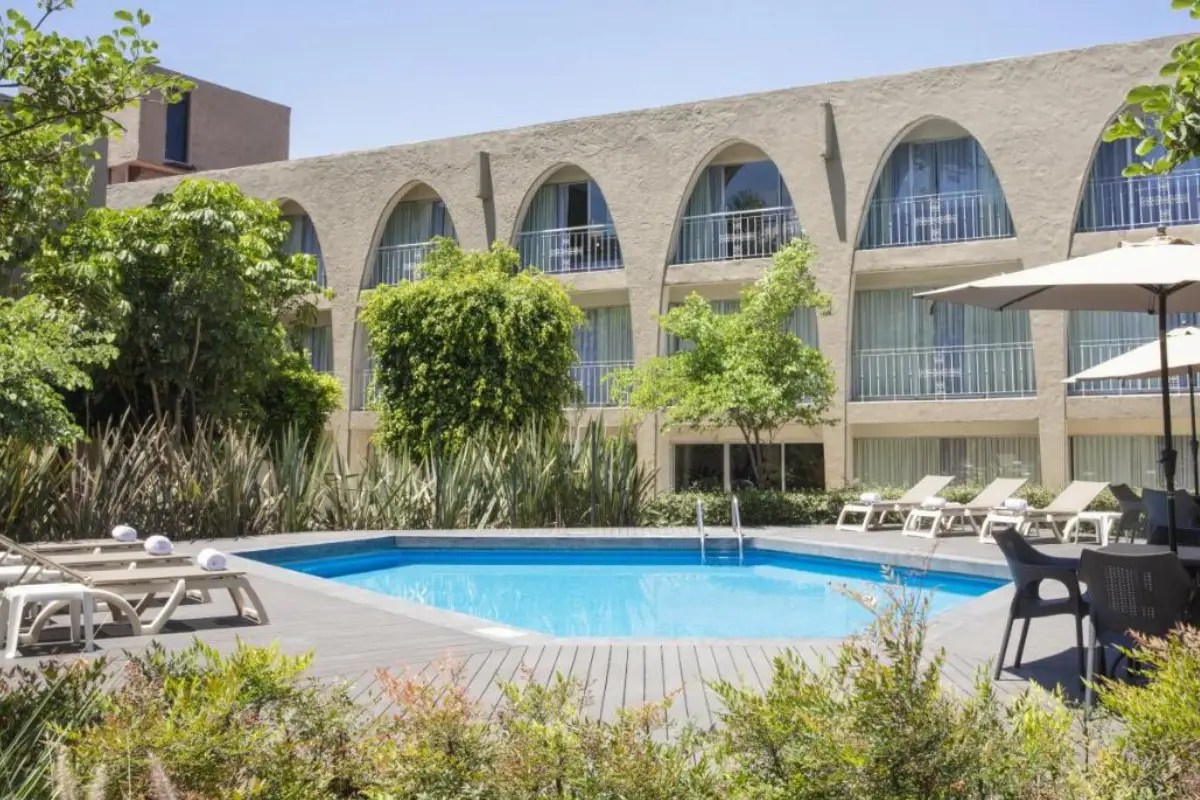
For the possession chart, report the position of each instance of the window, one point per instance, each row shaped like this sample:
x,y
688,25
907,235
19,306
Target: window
x,y
568,228
903,461
1127,459
792,467
178,122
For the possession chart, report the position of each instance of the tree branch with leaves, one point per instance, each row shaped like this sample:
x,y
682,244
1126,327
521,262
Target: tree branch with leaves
x,y
744,370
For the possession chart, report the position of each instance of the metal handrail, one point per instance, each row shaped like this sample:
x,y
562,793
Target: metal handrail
x,y
700,528
736,519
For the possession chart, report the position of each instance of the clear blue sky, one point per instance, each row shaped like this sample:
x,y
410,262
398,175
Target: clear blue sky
x,y
369,73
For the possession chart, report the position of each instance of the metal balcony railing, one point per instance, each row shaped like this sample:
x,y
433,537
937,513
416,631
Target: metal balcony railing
x,y
734,235
1088,353
1141,202
593,380
400,262
587,248
936,219
943,373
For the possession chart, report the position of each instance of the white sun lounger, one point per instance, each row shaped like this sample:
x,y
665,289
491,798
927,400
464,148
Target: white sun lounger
x,y
1061,516
945,518
873,514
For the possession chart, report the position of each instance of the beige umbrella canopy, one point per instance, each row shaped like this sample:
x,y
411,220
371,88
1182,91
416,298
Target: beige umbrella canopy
x,y
1183,356
1160,275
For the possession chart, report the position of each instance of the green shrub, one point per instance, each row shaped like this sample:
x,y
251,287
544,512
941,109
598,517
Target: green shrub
x,y
1156,752
879,722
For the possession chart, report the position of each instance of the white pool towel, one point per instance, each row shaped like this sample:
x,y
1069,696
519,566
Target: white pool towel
x,y
934,502
159,546
124,533
870,497
211,560
1016,504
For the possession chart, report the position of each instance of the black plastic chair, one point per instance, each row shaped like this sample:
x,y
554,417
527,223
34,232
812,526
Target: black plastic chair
x,y
1155,502
1132,511
1029,567
1184,537
1148,594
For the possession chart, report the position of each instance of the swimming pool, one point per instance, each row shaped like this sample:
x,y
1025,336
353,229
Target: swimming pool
x,y
627,593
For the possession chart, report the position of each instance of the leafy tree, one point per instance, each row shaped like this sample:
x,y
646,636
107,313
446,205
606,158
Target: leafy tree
x,y
477,344
746,370
295,395
200,286
1165,116
63,93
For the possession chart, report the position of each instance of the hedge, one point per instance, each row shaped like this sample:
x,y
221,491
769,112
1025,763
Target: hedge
x,y
764,507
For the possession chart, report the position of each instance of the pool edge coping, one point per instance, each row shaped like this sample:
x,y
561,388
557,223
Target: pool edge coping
x,y
486,629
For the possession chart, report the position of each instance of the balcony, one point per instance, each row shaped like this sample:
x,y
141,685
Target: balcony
x,y
593,381
1143,202
943,373
936,219
734,235
1090,352
397,263
587,248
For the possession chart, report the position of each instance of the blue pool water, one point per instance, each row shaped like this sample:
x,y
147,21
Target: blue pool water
x,y
636,593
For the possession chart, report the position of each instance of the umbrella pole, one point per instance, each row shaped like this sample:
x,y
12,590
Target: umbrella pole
x,y
1195,444
1168,454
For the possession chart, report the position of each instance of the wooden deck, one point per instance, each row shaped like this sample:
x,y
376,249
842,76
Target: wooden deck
x,y
352,634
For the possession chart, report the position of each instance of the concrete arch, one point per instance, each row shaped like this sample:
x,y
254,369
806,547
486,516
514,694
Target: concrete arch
x,y
901,136
542,179
704,163
385,216
293,208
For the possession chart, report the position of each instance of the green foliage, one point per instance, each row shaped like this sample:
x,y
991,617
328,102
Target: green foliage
x,y
37,709
746,370
766,507
199,285
476,345
296,397
1165,114
42,352
215,482
878,722
1156,753
245,725
68,91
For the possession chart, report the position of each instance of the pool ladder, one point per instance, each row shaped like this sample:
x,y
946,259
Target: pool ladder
x,y
736,520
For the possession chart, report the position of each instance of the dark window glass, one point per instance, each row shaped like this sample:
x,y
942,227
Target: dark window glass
x,y
700,467
805,466
741,475
577,205
178,116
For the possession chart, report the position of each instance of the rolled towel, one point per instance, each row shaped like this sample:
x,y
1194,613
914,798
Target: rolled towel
x,y
1016,504
211,560
124,533
933,502
870,497
159,546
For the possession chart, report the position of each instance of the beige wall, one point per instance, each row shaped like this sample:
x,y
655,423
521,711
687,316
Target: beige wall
x,y
1039,119
227,129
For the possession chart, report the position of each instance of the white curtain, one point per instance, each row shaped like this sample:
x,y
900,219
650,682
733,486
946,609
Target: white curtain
x,y
902,461
1132,460
318,343
606,336
803,323
698,236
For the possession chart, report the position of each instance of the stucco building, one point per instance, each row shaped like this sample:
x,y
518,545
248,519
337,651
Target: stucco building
x,y
210,128
903,182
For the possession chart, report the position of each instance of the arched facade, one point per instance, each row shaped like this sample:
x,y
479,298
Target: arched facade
x,y
738,207
416,216
566,226
936,185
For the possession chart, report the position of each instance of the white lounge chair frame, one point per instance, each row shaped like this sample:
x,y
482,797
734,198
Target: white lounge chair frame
x,y
874,514
1061,516
952,515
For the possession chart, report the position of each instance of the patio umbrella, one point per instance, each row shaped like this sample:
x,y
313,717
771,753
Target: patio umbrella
x,y
1158,276
1183,356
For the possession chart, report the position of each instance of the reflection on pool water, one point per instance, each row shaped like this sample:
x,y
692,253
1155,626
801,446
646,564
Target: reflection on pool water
x,y
637,593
